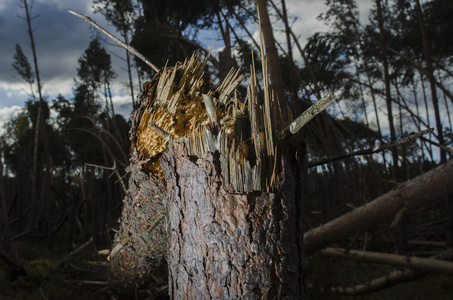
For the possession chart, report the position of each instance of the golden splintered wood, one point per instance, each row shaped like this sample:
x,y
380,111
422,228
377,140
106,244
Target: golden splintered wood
x,y
159,131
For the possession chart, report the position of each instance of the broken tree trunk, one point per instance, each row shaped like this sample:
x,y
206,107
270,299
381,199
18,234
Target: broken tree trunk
x,y
230,190
416,192
229,245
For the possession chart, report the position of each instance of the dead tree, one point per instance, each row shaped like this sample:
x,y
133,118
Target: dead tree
x,y
228,184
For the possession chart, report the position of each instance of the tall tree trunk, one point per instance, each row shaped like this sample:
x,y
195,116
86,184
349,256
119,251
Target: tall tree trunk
x,y
432,80
292,66
225,56
388,96
35,171
129,69
5,207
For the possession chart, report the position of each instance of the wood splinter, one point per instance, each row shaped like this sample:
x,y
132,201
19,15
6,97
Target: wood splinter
x,y
159,131
312,111
212,113
309,114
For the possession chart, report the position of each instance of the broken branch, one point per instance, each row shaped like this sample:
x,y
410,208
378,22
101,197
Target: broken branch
x,y
309,114
374,150
416,263
118,41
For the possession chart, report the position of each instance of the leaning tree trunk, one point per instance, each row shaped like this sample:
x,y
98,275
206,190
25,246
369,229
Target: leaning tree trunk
x,y
227,184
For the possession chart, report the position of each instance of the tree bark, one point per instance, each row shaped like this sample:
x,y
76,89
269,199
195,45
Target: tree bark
x,y
229,245
418,191
140,244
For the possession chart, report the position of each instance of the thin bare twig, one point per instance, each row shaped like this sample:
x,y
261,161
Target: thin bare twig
x,y
374,150
118,41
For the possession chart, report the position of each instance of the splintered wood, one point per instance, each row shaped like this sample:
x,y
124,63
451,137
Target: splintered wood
x,y
183,107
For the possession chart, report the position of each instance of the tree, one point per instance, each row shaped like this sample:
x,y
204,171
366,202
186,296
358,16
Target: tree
x,y
430,73
388,96
34,189
120,13
22,66
252,250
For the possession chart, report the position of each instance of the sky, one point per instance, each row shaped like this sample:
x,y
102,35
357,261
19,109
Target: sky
x,y
61,39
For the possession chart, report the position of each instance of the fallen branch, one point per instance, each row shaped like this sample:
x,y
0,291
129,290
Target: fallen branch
x,y
429,265
390,279
448,149
73,253
88,282
371,150
430,244
118,41
413,193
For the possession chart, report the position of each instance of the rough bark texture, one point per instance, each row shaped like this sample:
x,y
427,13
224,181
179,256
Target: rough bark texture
x,y
223,245
140,244
422,189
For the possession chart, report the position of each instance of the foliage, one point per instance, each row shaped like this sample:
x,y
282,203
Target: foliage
x,y
39,269
94,69
22,66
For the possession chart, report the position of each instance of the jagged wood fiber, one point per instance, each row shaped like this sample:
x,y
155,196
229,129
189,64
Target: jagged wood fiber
x,y
173,101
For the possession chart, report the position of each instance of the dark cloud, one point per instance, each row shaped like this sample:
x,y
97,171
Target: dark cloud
x,y
60,38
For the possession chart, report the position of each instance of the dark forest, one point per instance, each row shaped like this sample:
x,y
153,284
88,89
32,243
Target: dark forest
x,y
206,191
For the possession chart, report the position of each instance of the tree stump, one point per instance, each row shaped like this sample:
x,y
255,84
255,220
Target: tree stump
x,y
229,186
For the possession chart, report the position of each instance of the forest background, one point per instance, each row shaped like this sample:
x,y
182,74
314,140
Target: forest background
x,y
63,159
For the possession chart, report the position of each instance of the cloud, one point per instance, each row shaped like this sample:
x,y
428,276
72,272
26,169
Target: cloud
x,y
6,114
60,39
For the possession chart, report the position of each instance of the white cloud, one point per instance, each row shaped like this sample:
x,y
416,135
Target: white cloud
x,y
6,114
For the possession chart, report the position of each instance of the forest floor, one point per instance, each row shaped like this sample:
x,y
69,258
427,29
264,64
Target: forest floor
x,y
86,277
325,273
